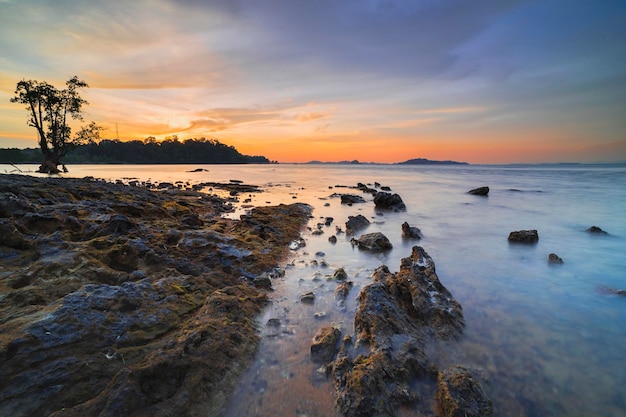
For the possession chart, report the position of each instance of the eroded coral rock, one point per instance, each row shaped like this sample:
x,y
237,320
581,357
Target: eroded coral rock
x,y
460,394
398,315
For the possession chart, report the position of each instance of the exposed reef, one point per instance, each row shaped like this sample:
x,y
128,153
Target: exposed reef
x,y
119,300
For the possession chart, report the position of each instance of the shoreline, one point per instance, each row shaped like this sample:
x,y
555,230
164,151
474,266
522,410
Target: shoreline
x,y
121,300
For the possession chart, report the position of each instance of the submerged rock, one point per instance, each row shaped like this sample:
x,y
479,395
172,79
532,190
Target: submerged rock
x,y
524,236
553,258
596,230
351,199
482,191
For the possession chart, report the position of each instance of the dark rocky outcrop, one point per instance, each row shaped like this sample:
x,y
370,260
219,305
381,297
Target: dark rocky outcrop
x,y
351,199
374,242
482,191
524,236
388,201
553,258
121,301
356,223
398,316
325,344
596,230
410,232
460,395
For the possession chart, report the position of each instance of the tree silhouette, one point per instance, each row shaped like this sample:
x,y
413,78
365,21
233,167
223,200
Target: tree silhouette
x,y
49,110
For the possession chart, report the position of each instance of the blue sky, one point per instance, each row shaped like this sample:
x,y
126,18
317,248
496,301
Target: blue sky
x,y
387,80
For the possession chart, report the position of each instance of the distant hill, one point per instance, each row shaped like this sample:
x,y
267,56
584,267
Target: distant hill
x,y
423,161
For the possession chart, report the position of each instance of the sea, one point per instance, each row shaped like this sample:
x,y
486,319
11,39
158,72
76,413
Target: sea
x,y
543,339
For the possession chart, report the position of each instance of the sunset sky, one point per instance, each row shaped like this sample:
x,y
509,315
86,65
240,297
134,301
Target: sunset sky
x,y
491,81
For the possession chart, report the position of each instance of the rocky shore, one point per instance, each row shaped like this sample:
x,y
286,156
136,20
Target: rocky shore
x,y
121,301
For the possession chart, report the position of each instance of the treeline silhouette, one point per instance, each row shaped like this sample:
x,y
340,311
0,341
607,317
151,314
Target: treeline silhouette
x,y
148,151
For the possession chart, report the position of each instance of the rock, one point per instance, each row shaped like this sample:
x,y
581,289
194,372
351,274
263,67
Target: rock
x,y
483,191
10,236
596,230
356,223
273,322
308,298
351,199
374,242
411,232
324,344
398,316
553,258
524,236
340,275
460,395
342,290
262,281
388,201
328,221
119,224
192,220
332,239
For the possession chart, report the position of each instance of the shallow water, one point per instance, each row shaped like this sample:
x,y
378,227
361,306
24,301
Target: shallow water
x,y
547,339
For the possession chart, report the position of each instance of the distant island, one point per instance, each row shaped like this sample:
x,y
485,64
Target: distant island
x,y
148,151
423,161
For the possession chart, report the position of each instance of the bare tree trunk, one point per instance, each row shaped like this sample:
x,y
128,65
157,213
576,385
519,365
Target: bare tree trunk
x,y
50,164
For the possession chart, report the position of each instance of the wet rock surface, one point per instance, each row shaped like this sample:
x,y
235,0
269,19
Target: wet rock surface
x,y
524,236
482,191
389,201
118,300
460,395
400,316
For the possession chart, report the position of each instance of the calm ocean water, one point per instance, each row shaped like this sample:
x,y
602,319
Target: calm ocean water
x,y
547,340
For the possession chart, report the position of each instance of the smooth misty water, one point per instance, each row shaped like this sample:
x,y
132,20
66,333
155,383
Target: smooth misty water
x,y
546,339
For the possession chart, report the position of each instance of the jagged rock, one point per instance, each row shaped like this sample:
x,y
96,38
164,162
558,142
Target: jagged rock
x,y
596,230
411,232
388,201
374,242
553,258
325,343
397,316
351,199
483,191
524,236
356,223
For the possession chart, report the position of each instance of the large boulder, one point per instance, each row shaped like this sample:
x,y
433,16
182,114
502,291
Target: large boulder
x,y
524,236
356,223
387,201
374,242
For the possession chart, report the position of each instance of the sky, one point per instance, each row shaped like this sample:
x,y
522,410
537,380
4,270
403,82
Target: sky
x,y
484,81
